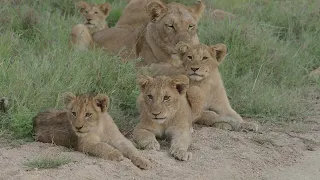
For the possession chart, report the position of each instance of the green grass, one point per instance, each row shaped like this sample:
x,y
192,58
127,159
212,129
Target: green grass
x,y
272,47
47,163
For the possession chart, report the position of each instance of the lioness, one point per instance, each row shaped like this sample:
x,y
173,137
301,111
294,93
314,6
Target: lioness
x,y
152,37
201,65
94,21
95,131
165,112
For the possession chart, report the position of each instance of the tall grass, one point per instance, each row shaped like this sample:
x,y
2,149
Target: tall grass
x,y
272,46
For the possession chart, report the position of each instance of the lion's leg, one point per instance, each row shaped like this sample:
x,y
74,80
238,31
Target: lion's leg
x,y
146,139
128,150
243,124
196,100
100,149
210,118
81,37
180,142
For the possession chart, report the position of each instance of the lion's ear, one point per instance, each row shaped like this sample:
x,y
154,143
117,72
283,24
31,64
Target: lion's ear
x,y
68,99
219,51
197,9
156,10
105,8
82,6
102,102
143,80
181,83
182,47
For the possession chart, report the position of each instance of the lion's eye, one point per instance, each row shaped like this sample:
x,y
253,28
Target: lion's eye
x,y
86,12
166,98
96,12
88,114
170,26
74,114
191,26
204,58
190,57
150,97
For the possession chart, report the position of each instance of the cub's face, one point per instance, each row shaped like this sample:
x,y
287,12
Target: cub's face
x,y
94,15
199,60
85,111
162,96
175,22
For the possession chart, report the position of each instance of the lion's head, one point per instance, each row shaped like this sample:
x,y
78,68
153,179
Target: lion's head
x,y
200,60
174,22
94,15
85,111
161,95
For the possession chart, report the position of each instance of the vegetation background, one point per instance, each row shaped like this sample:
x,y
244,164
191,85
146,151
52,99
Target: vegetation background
x,y
272,46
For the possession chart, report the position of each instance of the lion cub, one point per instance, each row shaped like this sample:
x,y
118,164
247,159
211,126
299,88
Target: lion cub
x,y
165,112
87,122
201,63
94,20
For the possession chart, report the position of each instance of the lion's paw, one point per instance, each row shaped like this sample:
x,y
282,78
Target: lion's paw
x,y
153,145
250,126
141,162
115,156
181,155
224,126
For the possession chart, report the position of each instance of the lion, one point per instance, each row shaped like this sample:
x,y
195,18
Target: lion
x,y
200,63
150,29
94,20
218,14
166,112
87,127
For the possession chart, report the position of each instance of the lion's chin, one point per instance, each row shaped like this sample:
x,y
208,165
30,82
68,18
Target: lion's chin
x,y
81,134
196,77
160,121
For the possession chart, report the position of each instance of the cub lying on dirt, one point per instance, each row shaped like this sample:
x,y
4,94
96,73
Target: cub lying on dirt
x,y
166,112
94,20
86,126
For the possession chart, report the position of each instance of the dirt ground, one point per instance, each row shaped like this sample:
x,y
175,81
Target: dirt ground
x,y
278,152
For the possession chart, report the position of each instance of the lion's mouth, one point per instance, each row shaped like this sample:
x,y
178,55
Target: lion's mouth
x,y
195,74
159,118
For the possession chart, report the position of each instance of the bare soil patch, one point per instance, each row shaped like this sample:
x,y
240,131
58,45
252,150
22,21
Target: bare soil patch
x,y
288,151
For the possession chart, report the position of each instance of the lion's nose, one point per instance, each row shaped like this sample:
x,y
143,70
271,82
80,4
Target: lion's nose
x,y
156,114
78,128
88,20
194,69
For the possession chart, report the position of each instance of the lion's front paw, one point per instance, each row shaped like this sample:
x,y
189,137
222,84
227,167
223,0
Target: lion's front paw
x,y
224,126
181,155
115,156
250,126
141,162
152,145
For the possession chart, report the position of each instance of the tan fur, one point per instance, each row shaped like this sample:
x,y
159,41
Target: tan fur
x,y
94,21
218,14
96,133
52,126
315,72
201,65
143,30
165,112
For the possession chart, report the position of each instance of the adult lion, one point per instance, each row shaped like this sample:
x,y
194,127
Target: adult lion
x,y
153,40
166,111
200,63
87,126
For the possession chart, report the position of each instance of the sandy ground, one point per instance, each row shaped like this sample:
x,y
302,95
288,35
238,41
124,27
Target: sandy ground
x,y
277,152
